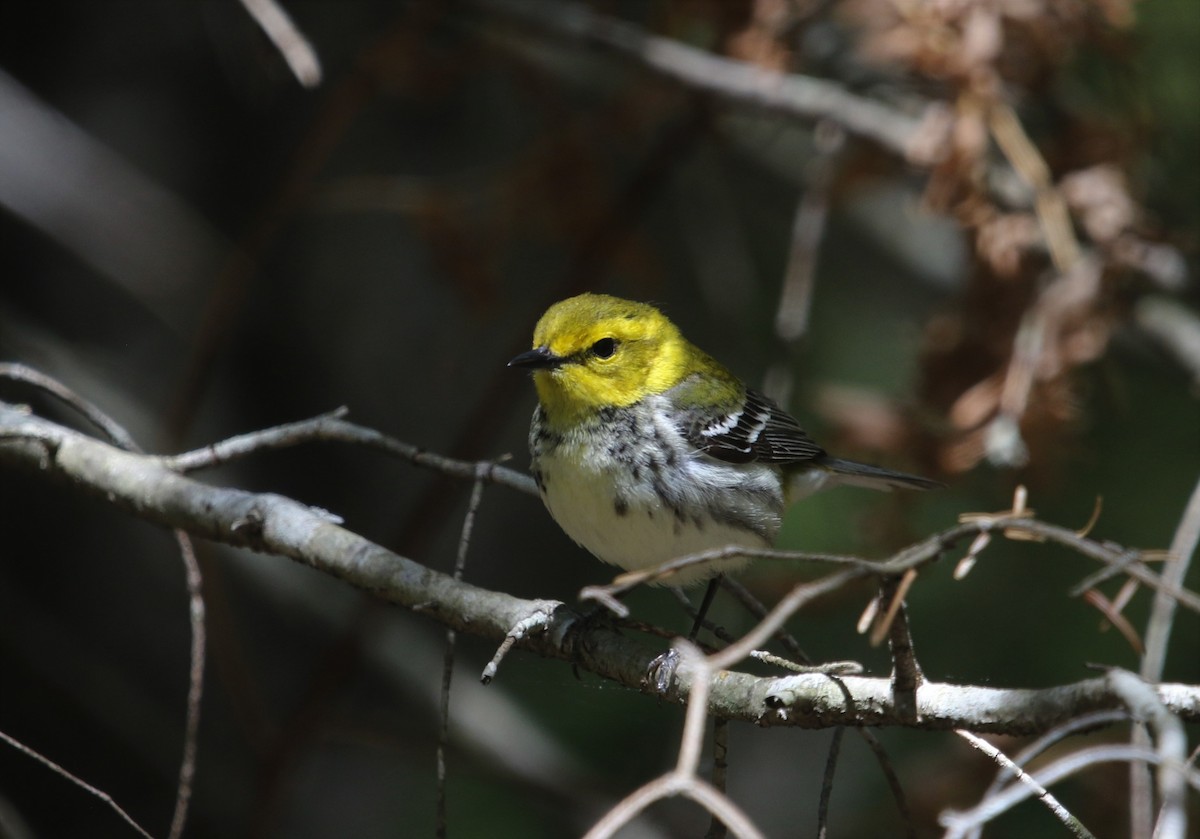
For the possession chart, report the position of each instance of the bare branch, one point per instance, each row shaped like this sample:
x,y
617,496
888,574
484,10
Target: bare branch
x,y
1038,746
827,783
460,564
18,372
333,429
195,695
1183,549
1061,813
683,780
1145,705
1158,632
274,524
720,773
893,781
121,437
1048,776
76,780
740,84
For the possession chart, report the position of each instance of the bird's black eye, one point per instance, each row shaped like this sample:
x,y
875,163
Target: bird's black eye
x,y
604,348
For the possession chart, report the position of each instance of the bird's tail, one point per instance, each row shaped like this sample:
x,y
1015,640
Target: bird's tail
x,y
872,477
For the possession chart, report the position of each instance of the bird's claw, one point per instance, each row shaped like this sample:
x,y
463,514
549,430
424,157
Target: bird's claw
x,y
661,672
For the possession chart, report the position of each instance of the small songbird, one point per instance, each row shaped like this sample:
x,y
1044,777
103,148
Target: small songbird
x,y
646,449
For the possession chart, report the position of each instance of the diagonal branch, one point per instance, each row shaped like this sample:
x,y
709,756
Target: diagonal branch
x,y
791,95
299,54
268,523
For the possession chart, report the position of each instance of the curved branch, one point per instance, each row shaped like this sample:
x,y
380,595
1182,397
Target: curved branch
x,y
268,523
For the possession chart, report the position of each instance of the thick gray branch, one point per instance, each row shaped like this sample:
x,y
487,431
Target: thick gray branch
x,y
148,488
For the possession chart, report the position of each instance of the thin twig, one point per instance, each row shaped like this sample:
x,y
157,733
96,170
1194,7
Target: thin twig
x,y
1162,613
720,772
460,564
829,668
697,710
1112,614
892,593
1050,738
191,569
191,730
332,428
1145,705
914,557
755,607
630,580
112,429
77,781
537,616
988,809
1158,633
893,781
1111,570
1061,813
1096,719
906,672
721,633
792,602
683,779
835,746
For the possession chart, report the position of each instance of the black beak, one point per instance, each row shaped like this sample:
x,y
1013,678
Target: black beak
x,y
538,358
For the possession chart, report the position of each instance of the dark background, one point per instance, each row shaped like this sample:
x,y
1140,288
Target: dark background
x,y
202,247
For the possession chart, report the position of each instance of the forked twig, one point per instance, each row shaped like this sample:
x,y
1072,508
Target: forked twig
x,y
683,779
331,427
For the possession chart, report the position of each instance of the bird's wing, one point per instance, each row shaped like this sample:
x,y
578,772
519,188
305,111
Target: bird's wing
x,y
757,430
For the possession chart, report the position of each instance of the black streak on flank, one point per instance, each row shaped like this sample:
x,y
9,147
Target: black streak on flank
x,y
620,506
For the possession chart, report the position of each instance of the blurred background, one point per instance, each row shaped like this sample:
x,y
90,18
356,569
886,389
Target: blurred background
x,y
203,245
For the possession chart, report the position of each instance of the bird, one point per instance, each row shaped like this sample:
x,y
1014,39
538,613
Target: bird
x,y
644,448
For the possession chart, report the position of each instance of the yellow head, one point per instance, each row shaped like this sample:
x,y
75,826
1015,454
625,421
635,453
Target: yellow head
x,y
595,351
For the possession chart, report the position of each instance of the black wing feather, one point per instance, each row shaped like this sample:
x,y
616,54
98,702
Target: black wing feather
x,y
760,431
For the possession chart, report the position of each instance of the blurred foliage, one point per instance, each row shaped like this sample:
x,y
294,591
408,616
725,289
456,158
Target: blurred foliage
x,y
203,247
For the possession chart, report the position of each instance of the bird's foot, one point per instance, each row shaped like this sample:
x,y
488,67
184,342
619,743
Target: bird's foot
x,y
661,672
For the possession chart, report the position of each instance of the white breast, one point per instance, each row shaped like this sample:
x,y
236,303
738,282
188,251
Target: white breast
x,y
619,513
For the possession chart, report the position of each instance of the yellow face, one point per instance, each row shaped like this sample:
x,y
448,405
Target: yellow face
x,y
594,351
